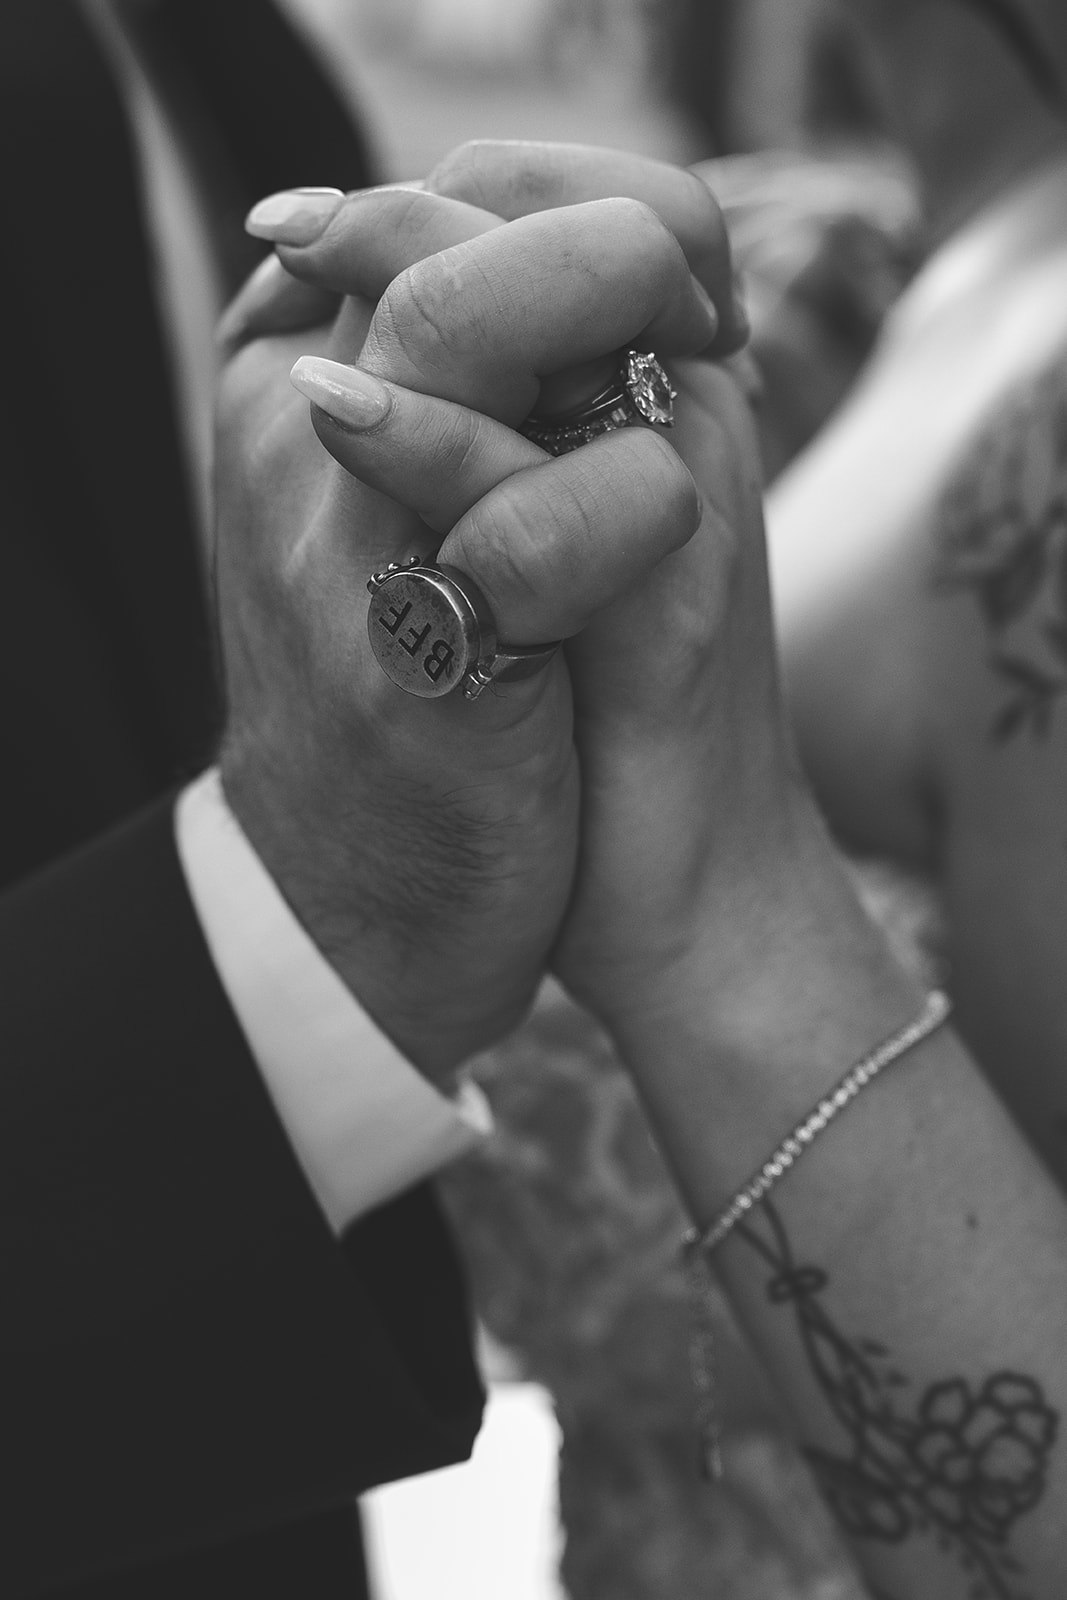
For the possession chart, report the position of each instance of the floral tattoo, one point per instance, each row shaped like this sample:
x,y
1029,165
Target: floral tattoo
x,y
1004,538
960,1464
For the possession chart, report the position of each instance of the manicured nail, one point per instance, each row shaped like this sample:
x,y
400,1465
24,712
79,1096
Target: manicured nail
x,y
709,306
350,396
295,216
235,319
742,320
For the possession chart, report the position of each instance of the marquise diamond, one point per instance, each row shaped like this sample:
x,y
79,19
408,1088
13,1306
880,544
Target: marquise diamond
x,y
650,388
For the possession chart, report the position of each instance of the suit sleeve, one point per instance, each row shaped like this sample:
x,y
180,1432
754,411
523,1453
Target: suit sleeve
x,y
189,1353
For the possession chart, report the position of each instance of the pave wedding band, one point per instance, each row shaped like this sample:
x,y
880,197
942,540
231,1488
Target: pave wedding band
x,y
431,631
640,391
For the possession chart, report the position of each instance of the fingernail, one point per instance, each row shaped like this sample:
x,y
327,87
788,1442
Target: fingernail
x,y
234,320
742,320
709,306
350,396
295,216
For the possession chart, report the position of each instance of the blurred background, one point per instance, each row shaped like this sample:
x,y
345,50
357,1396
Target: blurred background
x,y
681,79
784,98
783,95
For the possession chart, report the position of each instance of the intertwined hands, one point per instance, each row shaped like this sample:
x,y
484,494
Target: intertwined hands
x,y
614,813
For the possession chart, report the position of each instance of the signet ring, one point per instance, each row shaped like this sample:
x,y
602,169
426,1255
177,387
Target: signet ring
x,y
431,631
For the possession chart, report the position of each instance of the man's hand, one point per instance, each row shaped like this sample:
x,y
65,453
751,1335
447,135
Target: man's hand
x,y
429,847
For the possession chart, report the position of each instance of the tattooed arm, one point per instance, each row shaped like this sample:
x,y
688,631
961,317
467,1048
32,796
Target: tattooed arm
x,y
995,614
930,687
907,1287
906,1284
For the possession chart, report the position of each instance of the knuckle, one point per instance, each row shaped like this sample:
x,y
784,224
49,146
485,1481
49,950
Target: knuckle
x,y
458,446
638,480
573,513
400,209
677,493
506,177
457,174
638,218
417,311
504,543
649,240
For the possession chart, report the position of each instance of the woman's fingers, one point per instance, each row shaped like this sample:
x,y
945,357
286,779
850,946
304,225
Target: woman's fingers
x,y
432,456
514,178
417,249
373,234
549,541
484,322
356,244
330,246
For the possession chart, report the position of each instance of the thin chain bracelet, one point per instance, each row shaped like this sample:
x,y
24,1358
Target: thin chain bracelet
x,y
698,1244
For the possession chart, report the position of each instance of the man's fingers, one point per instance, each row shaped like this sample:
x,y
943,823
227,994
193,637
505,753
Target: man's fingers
x,y
485,321
514,178
549,541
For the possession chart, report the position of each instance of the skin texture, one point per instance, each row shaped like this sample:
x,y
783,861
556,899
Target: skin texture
x,y
730,958
996,587
963,1461
637,698
921,645
451,829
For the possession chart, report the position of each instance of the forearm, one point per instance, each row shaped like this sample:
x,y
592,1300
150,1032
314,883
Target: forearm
x,y
915,1253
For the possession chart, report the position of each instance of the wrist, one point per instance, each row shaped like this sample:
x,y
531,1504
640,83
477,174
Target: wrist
x,y
784,982
440,938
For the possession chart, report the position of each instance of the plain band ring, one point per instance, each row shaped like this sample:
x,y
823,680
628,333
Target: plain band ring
x,y
639,392
431,631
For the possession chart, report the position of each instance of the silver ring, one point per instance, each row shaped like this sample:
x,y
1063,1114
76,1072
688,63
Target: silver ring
x,y
431,631
639,392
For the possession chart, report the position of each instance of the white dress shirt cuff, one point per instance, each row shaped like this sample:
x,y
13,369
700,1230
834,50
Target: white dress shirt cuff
x,y
363,1123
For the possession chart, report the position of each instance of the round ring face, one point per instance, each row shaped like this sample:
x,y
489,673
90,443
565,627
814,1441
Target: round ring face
x,y
423,633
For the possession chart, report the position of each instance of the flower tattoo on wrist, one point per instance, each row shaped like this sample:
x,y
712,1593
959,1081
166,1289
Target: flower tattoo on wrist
x,y
960,1465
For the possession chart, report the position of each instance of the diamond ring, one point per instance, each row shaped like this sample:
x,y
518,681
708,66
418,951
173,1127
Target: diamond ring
x,y
639,392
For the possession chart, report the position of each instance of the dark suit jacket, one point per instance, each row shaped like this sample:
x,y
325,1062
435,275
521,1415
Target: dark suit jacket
x,y
197,1377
